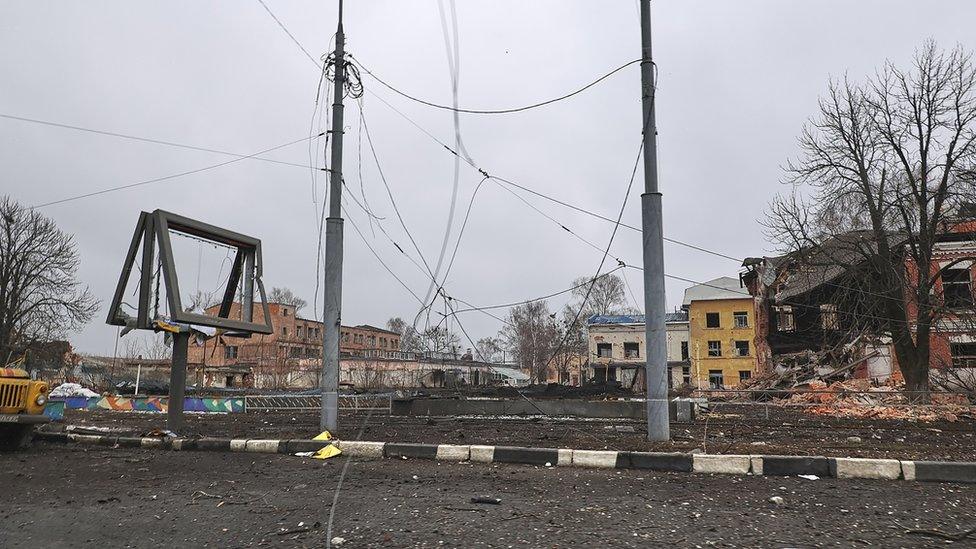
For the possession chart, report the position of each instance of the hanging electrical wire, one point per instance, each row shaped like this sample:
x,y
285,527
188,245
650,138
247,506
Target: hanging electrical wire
x,y
492,111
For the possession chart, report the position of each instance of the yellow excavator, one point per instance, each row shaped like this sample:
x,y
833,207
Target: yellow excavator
x,y
22,403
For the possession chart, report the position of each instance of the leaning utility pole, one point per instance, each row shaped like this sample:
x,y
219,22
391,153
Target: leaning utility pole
x,y
655,370
332,319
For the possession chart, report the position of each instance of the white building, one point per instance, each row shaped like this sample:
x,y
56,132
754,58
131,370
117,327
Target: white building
x,y
618,348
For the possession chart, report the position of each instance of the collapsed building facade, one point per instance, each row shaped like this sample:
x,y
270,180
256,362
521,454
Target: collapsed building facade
x,y
817,309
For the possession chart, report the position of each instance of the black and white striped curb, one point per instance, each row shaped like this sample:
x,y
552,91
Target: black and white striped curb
x,y
824,467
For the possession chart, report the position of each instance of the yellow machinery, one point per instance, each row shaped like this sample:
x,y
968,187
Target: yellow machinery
x,y
22,403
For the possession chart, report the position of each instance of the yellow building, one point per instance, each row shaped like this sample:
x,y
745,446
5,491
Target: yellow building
x,y
722,335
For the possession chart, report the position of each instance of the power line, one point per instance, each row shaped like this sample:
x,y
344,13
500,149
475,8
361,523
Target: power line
x,y
146,139
492,111
501,111
172,176
290,35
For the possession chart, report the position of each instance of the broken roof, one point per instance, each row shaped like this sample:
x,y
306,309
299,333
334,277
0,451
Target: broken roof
x,y
677,316
812,268
720,288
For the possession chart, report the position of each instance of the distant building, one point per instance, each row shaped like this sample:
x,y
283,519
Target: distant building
x,y
722,333
618,348
275,360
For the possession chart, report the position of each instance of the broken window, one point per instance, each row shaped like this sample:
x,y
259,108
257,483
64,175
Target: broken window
x,y
284,330
828,317
956,288
604,350
684,350
712,320
741,348
230,351
300,330
744,375
631,349
714,348
284,312
715,379
295,352
784,318
963,355
686,375
740,319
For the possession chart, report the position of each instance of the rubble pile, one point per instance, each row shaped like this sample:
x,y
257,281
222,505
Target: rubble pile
x,y
856,398
796,369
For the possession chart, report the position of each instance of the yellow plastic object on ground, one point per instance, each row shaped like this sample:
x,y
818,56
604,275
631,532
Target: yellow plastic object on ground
x,y
327,452
324,435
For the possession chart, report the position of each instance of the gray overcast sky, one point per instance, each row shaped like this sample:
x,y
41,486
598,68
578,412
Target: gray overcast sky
x,y
737,80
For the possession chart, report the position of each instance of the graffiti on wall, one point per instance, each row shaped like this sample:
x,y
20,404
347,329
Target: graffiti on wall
x,y
154,404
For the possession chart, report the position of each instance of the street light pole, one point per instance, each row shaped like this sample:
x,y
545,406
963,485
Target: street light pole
x,y
655,369
332,318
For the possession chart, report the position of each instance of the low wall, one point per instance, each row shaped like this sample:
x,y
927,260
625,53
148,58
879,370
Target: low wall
x,y
611,409
153,404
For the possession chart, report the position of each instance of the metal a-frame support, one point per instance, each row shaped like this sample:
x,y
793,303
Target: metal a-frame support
x,y
152,230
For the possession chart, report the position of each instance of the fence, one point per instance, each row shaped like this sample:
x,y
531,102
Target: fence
x,y
376,403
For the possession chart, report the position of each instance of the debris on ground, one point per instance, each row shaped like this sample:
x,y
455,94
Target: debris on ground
x,y
329,451
856,398
486,499
72,390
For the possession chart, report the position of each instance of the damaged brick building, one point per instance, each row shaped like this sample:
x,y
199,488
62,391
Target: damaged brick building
x,y
808,302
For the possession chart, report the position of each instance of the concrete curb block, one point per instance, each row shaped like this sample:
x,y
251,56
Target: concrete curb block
x,y
362,449
679,463
788,466
602,459
482,454
945,471
530,456
842,468
884,469
453,452
409,450
908,470
721,464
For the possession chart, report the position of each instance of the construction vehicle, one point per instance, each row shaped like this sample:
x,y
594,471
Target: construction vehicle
x,y
22,403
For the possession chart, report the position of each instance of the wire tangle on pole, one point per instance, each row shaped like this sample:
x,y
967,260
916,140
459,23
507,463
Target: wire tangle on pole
x,y
352,82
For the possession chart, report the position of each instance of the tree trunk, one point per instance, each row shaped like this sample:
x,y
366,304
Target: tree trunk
x,y
913,361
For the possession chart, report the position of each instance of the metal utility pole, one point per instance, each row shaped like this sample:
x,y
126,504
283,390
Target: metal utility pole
x,y
332,319
655,370
177,381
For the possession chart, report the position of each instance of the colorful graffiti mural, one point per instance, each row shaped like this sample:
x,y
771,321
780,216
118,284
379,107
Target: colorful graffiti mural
x,y
154,404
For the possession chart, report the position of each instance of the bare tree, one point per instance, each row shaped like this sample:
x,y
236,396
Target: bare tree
x,y
488,349
286,297
884,165
532,335
606,297
40,296
201,301
409,339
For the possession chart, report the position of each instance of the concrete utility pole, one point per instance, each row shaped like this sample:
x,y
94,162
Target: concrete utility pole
x,y
332,320
656,368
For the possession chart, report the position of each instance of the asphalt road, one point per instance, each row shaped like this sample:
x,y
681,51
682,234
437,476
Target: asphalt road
x,y
73,496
